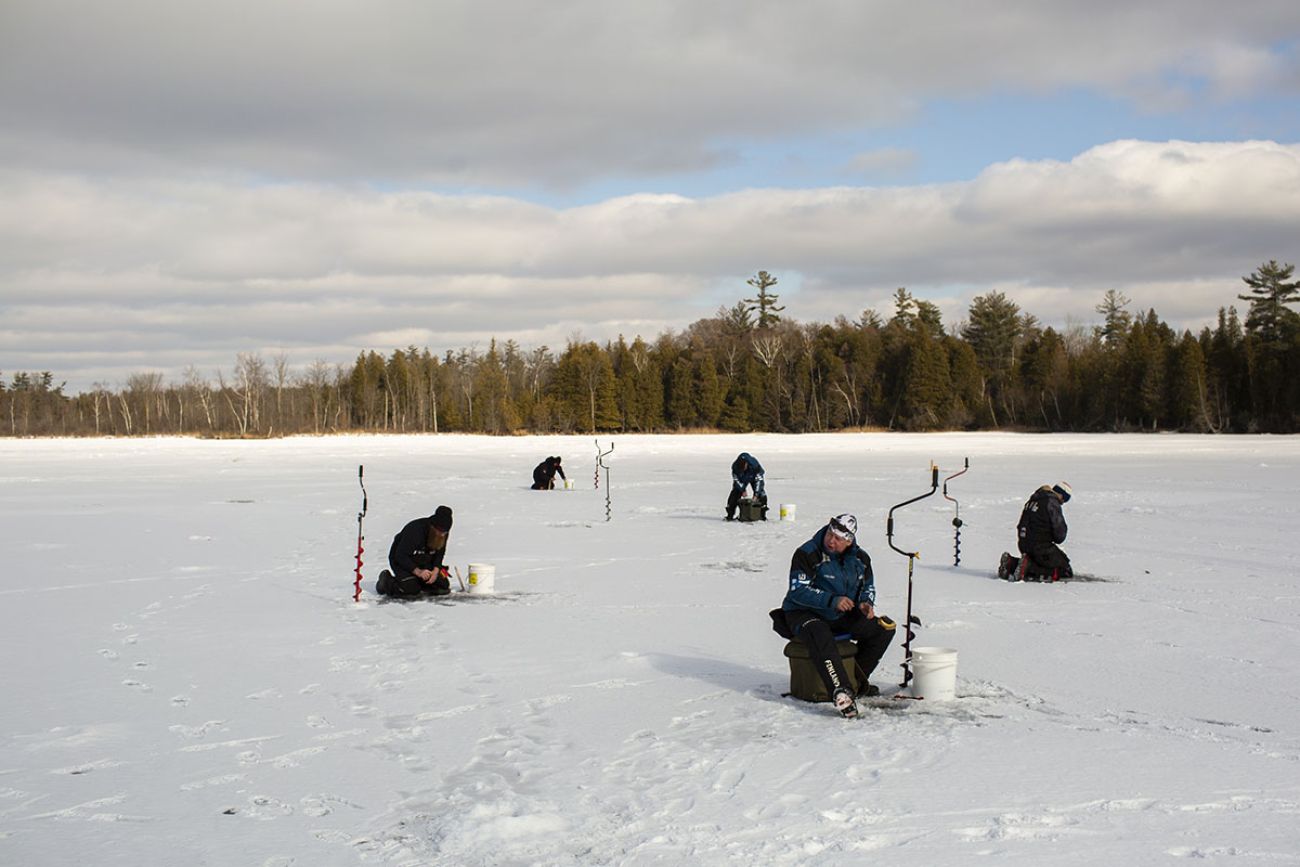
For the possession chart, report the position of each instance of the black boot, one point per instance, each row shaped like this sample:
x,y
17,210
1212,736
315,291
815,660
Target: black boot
x,y
383,586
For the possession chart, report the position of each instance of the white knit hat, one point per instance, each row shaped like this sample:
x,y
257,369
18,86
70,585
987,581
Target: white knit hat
x,y
845,526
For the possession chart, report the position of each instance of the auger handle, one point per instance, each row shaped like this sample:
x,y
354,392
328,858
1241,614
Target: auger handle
x,y
889,522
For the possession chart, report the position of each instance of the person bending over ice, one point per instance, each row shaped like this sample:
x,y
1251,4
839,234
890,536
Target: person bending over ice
x,y
544,474
416,559
746,471
833,592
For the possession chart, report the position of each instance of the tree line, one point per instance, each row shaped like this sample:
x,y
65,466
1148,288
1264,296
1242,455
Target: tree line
x,y
747,368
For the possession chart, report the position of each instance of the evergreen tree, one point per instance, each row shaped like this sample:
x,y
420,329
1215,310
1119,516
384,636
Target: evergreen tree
x,y
735,415
927,386
539,367
967,382
736,319
465,385
643,388
1142,372
1043,375
764,302
1186,408
515,367
584,391
1271,293
494,410
993,331
624,394
870,319
708,395
904,309
1273,345
680,410
928,315
365,390
1116,320
397,380
450,408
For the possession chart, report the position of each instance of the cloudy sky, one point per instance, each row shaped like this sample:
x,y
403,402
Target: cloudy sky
x,y
183,181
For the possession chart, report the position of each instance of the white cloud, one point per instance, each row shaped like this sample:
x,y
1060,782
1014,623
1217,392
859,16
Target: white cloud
x,y
96,271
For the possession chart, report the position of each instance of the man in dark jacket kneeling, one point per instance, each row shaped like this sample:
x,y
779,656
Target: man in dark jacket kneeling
x,y
545,472
1040,532
416,558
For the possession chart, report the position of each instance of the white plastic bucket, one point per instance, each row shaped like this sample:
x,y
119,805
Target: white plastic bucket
x,y
787,511
568,484
934,673
482,577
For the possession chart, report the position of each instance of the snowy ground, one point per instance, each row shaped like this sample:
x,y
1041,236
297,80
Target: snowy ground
x,y
187,680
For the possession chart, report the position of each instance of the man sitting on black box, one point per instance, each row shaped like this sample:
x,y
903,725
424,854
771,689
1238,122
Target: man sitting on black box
x,y
833,592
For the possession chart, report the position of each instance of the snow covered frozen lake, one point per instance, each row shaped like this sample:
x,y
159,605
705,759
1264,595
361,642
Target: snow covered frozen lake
x,y
187,680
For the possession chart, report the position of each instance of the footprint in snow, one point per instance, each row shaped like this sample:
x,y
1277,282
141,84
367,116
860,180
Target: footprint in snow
x,y
293,759
265,808
314,807
320,805
198,731
271,692
87,767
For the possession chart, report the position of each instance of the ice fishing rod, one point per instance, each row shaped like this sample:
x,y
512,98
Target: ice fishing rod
x,y
361,478
600,464
911,556
956,520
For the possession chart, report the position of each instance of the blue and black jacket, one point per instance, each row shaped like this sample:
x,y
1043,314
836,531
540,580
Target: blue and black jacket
x,y
746,470
817,577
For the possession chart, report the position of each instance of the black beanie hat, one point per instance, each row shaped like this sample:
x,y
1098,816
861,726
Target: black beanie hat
x,y
441,518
